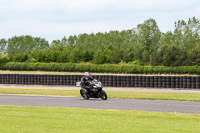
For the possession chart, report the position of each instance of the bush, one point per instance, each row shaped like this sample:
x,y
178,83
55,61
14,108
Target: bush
x,y
108,68
4,59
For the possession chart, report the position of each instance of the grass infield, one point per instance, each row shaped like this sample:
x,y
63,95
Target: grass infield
x,y
81,73
72,120
111,94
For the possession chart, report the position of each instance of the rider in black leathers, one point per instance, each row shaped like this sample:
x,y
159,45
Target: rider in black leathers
x,y
85,81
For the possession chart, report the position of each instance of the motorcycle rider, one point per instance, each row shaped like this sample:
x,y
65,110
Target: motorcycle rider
x,y
85,81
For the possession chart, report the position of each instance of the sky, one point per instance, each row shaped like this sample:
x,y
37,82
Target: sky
x,y
54,19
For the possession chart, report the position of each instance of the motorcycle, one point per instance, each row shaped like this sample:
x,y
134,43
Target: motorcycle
x,y
95,91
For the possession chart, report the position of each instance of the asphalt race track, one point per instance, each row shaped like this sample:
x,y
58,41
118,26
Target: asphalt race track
x,y
116,104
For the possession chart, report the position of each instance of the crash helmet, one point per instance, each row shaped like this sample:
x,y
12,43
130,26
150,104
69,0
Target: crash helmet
x,y
86,75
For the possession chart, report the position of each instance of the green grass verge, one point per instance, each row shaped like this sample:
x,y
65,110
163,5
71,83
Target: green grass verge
x,y
111,94
70,120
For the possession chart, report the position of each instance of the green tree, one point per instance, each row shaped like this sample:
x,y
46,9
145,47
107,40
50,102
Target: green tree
x,y
3,45
21,44
148,37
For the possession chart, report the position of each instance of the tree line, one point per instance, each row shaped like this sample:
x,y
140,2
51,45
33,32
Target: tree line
x,y
143,45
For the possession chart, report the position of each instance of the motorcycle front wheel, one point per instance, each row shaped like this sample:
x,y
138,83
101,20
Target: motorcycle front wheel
x,y
103,95
84,95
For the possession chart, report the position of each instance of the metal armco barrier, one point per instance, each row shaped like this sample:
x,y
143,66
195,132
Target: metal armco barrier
x,y
107,80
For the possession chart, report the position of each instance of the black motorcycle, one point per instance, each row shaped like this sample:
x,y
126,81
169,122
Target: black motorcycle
x,y
95,91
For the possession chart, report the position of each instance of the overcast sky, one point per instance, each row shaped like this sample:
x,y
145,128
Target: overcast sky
x,y
54,19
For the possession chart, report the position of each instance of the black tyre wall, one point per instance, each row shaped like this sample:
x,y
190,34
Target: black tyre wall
x,y
107,80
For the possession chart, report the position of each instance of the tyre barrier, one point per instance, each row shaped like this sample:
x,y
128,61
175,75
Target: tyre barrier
x,y
177,82
159,82
107,80
198,82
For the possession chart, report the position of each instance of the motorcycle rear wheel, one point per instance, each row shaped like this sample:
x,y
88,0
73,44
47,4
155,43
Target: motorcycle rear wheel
x,y
103,95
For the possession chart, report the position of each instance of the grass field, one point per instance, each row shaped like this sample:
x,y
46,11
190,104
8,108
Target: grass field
x,y
111,94
15,119
78,73
70,120
53,72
